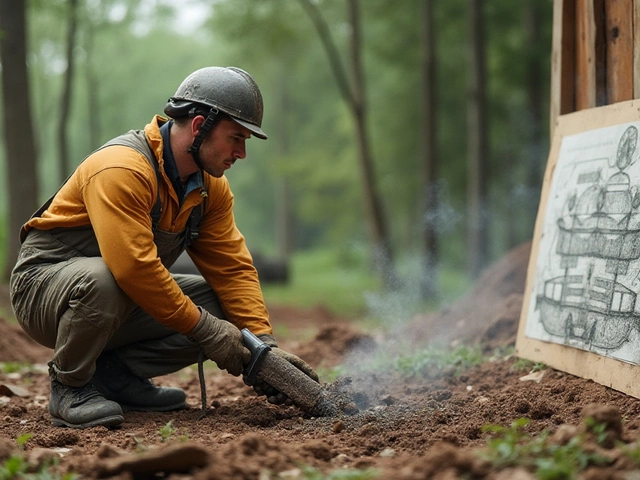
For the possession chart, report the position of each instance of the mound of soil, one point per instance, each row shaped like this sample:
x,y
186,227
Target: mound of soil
x,y
425,426
489,314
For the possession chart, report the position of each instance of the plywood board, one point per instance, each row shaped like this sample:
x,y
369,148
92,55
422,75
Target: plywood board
x,y
581,312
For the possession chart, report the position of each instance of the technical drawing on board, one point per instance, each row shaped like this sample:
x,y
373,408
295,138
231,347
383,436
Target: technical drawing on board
x,y
585,293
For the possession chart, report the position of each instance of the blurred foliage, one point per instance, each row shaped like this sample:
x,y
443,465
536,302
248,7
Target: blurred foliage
x,y
140,50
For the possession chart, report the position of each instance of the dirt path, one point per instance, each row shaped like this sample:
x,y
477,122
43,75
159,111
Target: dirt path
x,y
424,426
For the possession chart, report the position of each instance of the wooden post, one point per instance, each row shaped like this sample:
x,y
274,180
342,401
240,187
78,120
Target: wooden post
x,y
619,46
595,54
585,79
636,48
563,58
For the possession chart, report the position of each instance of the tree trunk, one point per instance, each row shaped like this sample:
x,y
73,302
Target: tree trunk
x,y
18,129
65,100
284,211
429,287
92,88
536,145
382,244
356,100
478,164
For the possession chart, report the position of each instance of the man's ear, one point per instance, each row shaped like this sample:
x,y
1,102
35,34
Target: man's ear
x,y
196,124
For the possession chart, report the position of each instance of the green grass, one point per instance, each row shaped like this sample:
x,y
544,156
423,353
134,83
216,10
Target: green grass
x,y
512,446
324,278
522,364
430,362
16,466
310,473
453,361
344,281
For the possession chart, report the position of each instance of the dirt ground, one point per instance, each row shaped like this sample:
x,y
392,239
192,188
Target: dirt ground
x,y
420,427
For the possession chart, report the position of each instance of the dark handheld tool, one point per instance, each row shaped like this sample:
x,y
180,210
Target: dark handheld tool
x,y
285,377
258,351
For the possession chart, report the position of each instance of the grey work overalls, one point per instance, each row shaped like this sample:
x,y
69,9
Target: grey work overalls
x,y
65,298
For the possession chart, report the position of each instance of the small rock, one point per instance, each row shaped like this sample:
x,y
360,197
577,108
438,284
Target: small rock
x,y
341,460
533,377
350,408
388,453
388,400
294,473
13,390
514,474
338,426
40,368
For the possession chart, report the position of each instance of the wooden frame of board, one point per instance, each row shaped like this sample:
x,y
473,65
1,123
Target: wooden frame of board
x,y
611,372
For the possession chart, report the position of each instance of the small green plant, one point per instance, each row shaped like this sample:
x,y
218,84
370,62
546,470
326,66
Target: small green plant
x,y
140,446
310,473
23,439
15,467
167,431
512,446
13,367
598,429
184,435
524,365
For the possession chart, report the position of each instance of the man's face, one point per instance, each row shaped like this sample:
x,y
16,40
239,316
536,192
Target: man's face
x,y
223,146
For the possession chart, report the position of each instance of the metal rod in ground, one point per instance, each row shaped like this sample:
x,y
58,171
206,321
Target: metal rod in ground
x,y
302,390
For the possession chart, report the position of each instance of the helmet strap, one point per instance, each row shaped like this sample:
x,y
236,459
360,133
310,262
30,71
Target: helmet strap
x,y
205,128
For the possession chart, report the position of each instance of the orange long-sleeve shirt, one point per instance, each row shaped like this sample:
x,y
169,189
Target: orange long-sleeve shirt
x,y
114,190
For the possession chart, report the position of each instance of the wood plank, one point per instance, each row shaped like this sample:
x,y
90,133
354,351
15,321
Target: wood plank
x,y
585,79
636,48
619,48
562,61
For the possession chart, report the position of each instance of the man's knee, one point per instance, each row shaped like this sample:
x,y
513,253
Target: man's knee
x,y
96,285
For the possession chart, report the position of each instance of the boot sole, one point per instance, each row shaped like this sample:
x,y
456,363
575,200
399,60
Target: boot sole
x,y
110,421
158,408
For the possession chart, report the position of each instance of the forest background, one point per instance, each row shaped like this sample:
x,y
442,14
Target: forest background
x,y
407,138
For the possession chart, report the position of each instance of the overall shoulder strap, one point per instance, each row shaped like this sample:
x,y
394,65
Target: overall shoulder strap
x,y
137,140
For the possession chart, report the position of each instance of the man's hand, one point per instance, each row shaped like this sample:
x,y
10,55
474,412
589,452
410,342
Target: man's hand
x,y
221,342
263,388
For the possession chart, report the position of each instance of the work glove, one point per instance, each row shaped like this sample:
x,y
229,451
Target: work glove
x,y
221,342
263,388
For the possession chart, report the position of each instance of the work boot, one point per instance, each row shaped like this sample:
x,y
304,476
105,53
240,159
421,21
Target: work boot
x,y
81,407
115,381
